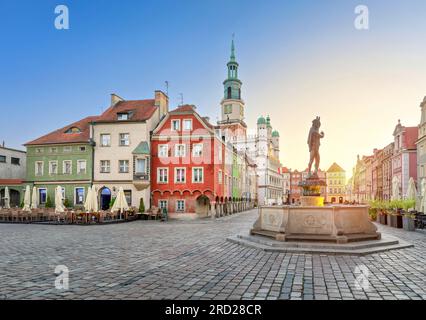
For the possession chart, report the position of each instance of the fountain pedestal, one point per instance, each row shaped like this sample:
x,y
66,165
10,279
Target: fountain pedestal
x,y
312,191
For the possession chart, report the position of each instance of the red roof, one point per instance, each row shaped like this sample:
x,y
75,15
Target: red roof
x,y
140,110
60,135
10,181
284,170
191,109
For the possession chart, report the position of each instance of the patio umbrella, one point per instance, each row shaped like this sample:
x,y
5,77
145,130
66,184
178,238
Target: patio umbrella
x,y
88,204
95,199
423,197
395,189
27,199
411,190
6,198
34,199
120,203
59,206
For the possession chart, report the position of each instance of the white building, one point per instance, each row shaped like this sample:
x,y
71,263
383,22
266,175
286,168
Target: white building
x,y
123,147
12,163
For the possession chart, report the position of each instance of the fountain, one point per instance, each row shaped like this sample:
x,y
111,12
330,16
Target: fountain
x,y
312,221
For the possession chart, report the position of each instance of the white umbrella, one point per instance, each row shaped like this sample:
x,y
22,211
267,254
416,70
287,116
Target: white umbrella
x,y
395,189
88,204
34,199
27,199
120,203
59,206
94,199
423,197
6,198
411,190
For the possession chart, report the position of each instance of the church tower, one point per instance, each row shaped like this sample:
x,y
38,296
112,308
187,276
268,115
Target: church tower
x,y
232,119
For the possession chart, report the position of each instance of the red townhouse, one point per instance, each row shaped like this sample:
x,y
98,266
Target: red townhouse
x,y
187,166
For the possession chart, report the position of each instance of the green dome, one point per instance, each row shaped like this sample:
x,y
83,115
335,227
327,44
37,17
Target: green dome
x,y
275,133
261,120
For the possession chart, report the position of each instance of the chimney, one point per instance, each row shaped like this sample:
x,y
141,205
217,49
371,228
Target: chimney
x,y
207,119
162,101
115,99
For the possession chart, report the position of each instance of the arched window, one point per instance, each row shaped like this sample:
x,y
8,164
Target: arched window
x,y
229,93
239,93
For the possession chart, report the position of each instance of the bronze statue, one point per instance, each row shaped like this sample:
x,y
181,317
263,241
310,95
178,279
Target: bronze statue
x,y
314,143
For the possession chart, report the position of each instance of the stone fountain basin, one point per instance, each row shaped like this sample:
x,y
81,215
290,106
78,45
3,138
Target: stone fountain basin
x,y
334,223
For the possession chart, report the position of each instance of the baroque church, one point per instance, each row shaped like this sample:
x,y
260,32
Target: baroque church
x,y
261,145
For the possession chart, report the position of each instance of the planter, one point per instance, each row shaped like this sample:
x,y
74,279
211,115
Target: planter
x,y
408,224
396,221
389,220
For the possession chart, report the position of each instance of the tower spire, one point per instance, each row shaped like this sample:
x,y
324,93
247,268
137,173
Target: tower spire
x,y
233,48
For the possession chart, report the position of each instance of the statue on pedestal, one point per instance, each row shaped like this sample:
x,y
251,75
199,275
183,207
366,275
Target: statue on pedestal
x,y
314,143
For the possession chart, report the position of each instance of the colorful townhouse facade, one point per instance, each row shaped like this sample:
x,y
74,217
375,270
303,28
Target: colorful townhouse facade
x,y
421,145
63,158
187,172
336,184
122,148
404,159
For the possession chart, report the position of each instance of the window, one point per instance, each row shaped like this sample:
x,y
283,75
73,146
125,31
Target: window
x,y
105,166
219,176
67,149
122,116
197,175
81,166
39,168
3,159
42,195
39,150
180,205
175,125
140,166
197,151
163,150
162,204
179,150
180,175
79,196
73,130
229,93
66,167
128,195
124,139
53,150
123,166
82,149
15,161
187,124
162,175
53,167
105,140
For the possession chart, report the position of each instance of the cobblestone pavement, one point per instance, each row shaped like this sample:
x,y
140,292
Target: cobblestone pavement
x,y
193,260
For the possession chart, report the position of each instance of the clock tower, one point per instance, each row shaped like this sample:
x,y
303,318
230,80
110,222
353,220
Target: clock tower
x,y
232,120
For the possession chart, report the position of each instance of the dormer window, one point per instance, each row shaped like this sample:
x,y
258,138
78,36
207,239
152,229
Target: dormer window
x,y
122,116
73,130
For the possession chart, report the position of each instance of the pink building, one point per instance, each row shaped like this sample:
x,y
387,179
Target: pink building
x,y
404,159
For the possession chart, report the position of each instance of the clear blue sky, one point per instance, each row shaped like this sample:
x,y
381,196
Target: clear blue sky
x,y
298,59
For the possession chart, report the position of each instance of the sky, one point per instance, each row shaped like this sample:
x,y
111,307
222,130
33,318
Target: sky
x,y
298,60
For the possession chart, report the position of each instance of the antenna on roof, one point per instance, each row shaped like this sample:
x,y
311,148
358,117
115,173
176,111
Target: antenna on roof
x,y
181,99
167,87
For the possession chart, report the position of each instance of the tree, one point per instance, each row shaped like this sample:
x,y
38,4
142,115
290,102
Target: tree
x,y
111,202
67,203
141,206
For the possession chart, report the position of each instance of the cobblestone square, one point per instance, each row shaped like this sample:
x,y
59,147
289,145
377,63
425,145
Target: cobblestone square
x,y
193,260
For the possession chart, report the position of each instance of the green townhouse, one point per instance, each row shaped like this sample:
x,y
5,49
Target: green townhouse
x,y
63,157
